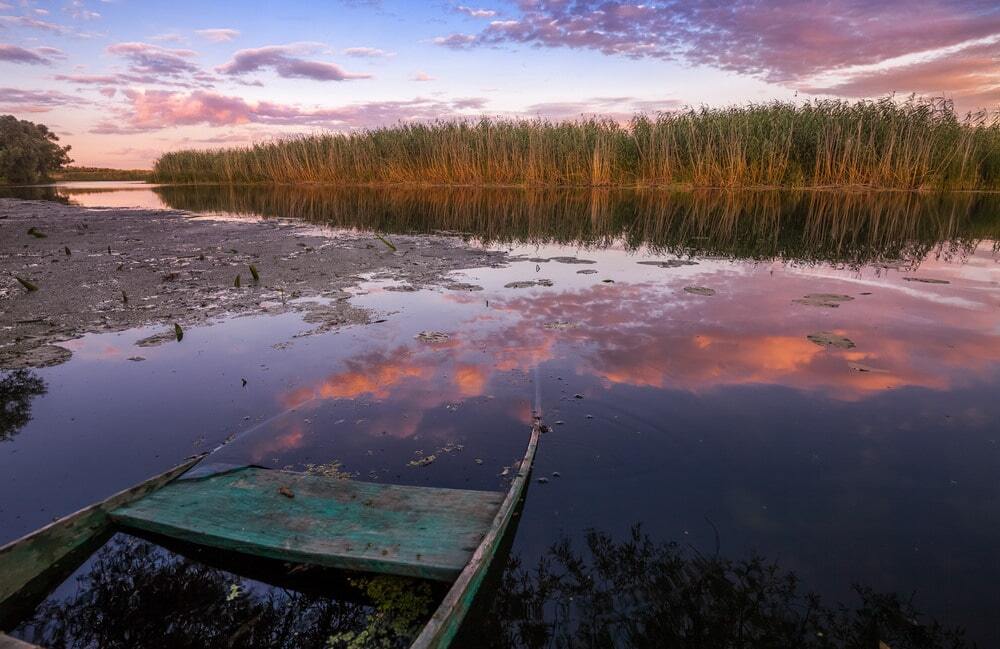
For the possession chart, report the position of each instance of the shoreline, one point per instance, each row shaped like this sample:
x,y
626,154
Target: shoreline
x,y
130,268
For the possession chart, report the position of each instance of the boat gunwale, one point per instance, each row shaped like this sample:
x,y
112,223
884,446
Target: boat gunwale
x,y
444,624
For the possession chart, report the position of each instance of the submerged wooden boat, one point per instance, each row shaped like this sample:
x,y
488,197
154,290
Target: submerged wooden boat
x,y
449,535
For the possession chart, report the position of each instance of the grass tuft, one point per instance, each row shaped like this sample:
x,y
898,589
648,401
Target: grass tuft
x,y
911,144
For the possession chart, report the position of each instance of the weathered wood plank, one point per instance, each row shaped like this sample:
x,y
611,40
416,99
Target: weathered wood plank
x,y
41,553
412,531
447,619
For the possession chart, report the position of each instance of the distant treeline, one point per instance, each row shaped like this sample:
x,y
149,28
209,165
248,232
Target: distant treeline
x,y
100,173
912,144
853,228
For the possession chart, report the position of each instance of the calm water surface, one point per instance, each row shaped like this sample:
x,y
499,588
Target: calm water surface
x,y
685,397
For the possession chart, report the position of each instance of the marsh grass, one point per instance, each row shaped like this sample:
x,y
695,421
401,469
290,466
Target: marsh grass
x,y
99,173
913,144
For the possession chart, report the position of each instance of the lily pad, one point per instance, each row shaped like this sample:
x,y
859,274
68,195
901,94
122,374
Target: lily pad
x,y
699,290
433,337
827,300
829,339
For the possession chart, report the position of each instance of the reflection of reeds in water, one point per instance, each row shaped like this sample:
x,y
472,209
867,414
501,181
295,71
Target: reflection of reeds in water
x,y
808,226
917,144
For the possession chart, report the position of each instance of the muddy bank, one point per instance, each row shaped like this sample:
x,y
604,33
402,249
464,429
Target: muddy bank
x,y
66,271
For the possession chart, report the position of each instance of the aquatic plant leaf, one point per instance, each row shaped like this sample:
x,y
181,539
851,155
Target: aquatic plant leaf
x,y
178,332
386,242
254,273
27,284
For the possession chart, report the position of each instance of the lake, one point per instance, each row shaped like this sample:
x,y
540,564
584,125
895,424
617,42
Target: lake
x,y
809,380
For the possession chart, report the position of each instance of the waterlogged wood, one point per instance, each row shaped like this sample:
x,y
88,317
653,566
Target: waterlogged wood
x,y
447,619
410,531
39,553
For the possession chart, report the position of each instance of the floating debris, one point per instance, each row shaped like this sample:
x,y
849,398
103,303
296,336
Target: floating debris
x,y
577,396
699,290
478,460
669,263
422,461
828,339
237,282
124,298
401,288
608,281
543,480
529,283
433,337
38,234
329,470
136,359
826,300
858,367
558,325
254,273
572,260
68,251
586,271
461,286
178,332
286,492
926,280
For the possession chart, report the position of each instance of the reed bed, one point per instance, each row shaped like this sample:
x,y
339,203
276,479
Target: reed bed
x,y
913,144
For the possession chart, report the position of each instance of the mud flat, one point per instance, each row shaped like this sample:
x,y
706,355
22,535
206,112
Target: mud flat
x,y
93,270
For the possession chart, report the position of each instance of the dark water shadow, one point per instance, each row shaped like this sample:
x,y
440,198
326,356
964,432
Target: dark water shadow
x,y
637,592
851,228
17,389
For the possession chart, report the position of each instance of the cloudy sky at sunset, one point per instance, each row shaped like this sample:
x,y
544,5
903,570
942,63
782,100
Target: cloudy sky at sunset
x,y
123,80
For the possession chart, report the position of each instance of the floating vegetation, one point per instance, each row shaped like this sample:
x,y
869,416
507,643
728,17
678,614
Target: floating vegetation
x,y
423,460
912,144
529,283
178,332
558,325
330,470
827,300
572,260
828,339
433,337
38,234
926,280
236,282
699,290
254,273
669,263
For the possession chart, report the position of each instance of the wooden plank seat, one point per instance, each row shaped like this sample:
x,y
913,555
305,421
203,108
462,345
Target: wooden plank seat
x,y
401,530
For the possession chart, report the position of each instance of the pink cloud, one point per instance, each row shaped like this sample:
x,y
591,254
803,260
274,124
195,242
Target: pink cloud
x,y
368,52
282,59
156,109
777,39
971,76
153,59
475,13
36,56
222,35
34,101
422,76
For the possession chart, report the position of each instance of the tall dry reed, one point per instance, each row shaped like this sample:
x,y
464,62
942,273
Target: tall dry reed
x,y
914,144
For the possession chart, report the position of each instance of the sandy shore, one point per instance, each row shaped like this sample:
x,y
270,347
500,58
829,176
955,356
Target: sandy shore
x,y
112,269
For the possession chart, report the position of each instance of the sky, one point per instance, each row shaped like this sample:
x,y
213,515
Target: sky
x,y
123,81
